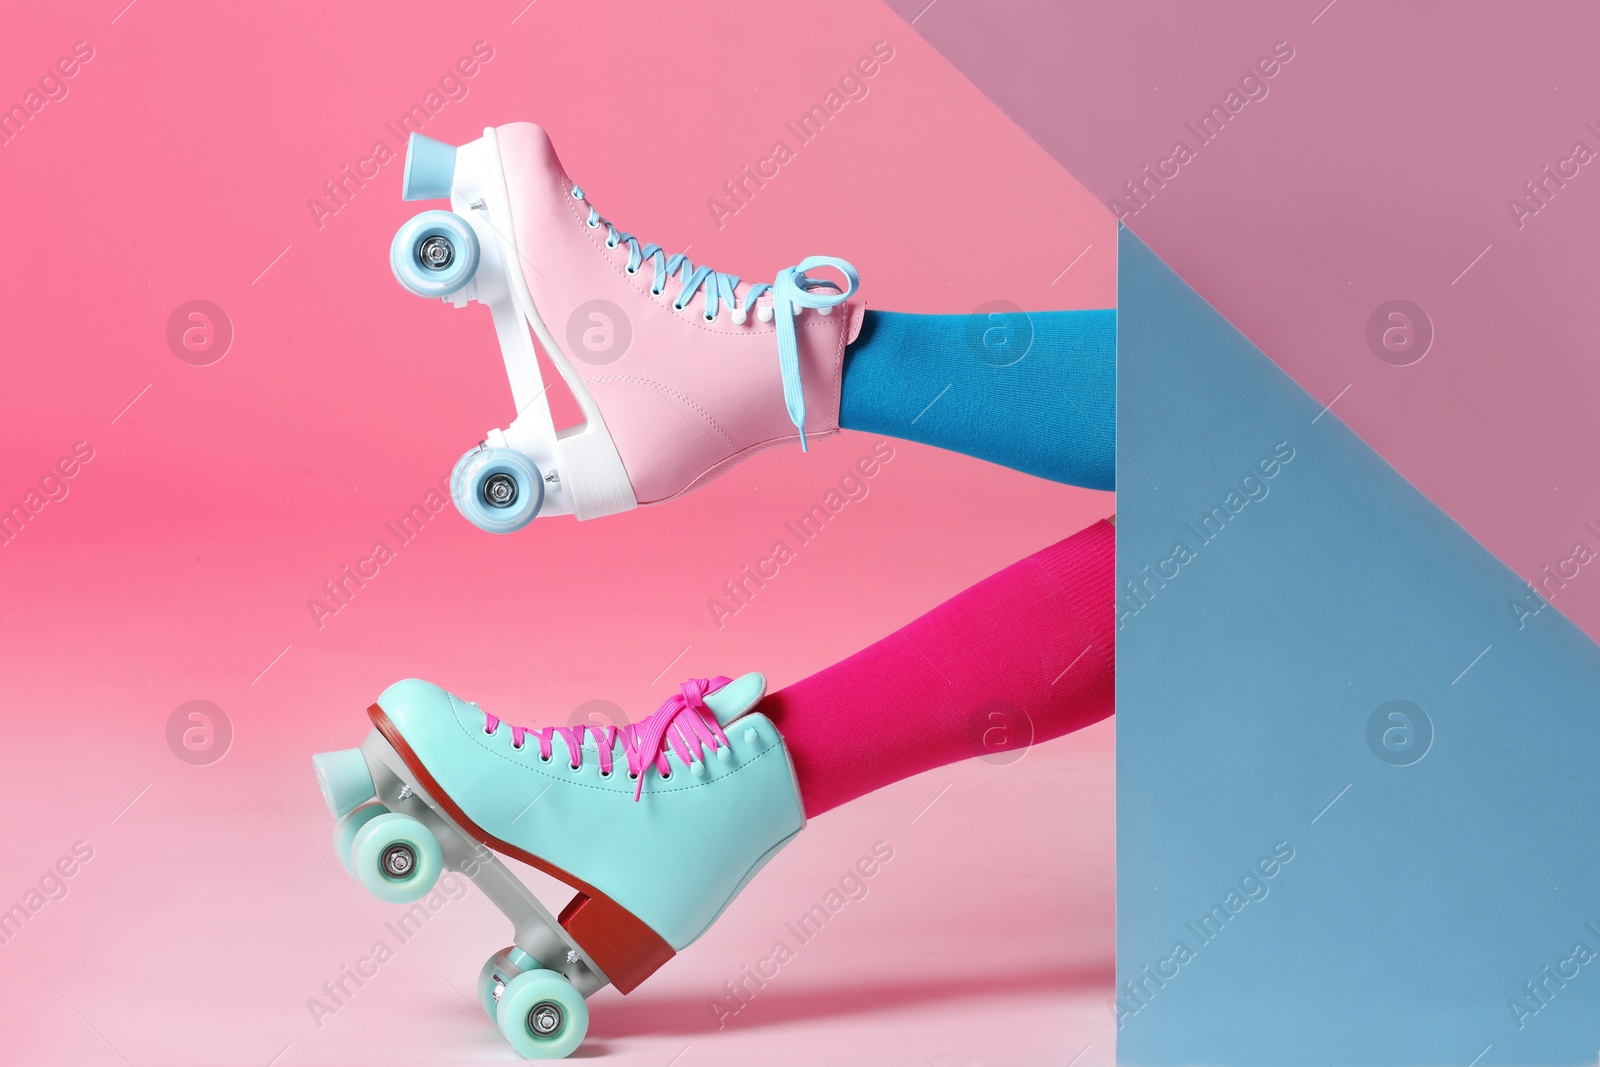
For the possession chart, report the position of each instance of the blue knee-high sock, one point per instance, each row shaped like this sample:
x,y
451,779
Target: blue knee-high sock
x,y
1034,391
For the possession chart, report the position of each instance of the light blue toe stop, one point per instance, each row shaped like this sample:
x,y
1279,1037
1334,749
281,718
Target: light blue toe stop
x,y
430,169
345,781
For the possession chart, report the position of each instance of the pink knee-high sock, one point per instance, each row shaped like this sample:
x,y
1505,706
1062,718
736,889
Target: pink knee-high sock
x,y
963,680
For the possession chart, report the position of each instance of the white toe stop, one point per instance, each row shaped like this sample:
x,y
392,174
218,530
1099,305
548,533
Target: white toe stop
x,y
795,309
738,315
764,312
825,311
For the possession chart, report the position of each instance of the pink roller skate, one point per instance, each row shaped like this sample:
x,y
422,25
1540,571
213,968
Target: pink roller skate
x,y
679,371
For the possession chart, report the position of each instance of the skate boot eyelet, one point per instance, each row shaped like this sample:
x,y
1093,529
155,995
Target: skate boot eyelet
x,y
544,759
605,774
574,766
632,777
594,224
709,318
631,270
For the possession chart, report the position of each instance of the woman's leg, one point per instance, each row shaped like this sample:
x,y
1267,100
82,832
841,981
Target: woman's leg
x,y
1031,644
1035,391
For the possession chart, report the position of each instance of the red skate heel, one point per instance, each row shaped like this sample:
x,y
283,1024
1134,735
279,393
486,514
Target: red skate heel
x,y
626,949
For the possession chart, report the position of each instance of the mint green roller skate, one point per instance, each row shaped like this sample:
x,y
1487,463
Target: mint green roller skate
x,y
657,825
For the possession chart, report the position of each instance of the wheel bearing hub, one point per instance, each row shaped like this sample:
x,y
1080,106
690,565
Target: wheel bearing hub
x,y
500,491
399,860
436,253
545,1018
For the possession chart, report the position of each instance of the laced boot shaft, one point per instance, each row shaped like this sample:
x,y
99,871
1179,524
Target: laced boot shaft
x,y
682,725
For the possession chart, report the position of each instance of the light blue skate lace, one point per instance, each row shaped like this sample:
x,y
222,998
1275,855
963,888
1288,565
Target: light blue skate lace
x,y
792,290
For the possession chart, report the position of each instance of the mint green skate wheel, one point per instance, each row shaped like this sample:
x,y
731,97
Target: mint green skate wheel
x,y
396,857
344,832
504,966
542,1016
498,964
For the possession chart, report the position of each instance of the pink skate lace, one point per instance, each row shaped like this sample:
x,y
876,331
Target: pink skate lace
x,y
683,723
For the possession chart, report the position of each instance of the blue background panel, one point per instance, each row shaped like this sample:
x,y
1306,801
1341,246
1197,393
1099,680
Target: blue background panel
x,y
1331,707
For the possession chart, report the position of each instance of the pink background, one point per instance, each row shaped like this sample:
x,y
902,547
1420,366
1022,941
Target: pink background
x,y
1378,167
179,565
